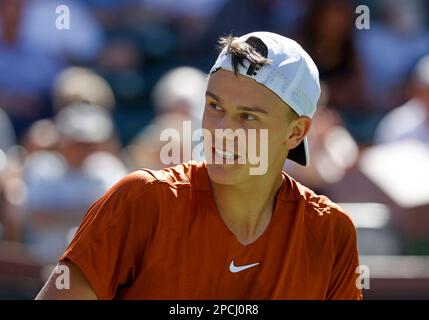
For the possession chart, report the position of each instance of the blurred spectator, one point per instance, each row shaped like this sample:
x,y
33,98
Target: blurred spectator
x,y
181,90
328,36
81,43
33,51
242,16
2,198
110,13
190,8
60,185
396,40
411,120
178,96
333,151
42,135
25,74
121,63
7,134
84,129
187,19
77,84
7,141
144,150
12,192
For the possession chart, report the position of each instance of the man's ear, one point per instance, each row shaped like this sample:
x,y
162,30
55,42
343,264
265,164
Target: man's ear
x,y
297,130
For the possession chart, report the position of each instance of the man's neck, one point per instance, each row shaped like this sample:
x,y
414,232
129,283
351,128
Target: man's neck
x,y
247,208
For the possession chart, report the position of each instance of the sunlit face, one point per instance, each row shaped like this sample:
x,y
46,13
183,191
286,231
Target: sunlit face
x,y
234,102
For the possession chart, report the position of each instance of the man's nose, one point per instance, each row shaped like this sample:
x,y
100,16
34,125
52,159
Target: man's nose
x,y
226,122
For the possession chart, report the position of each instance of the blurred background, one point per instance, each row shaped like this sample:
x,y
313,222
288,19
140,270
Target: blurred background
x,y
82,107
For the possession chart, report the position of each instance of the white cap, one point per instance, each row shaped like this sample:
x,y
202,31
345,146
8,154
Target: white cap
x,y
292,75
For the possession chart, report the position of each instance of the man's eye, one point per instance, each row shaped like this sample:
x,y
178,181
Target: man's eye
x,y
248,116
215,106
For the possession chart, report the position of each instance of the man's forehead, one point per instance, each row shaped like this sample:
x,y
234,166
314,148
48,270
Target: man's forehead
x,y
224,84
227,81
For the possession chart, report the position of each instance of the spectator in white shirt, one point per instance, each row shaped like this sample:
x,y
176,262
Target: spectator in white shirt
x,y
411,120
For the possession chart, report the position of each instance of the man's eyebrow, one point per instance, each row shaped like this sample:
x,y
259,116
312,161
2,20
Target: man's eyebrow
x,y
212,95
252,109
240,108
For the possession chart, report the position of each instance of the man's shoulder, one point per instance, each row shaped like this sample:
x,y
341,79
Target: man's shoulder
x,y
183,175
320,207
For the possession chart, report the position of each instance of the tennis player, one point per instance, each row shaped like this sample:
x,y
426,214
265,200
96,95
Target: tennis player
x,y
210,230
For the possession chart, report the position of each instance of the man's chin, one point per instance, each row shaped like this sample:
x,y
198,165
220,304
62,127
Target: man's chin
x,y
228,174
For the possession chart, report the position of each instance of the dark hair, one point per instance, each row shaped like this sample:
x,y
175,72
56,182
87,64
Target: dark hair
x,y
253,50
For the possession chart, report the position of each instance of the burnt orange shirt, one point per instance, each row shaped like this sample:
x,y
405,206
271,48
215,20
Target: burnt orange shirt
x,y
158,235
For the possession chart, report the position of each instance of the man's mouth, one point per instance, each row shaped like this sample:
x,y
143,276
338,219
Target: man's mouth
x,y
223,154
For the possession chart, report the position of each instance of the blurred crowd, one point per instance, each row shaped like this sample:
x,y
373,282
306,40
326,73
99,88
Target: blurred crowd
x,y
82,107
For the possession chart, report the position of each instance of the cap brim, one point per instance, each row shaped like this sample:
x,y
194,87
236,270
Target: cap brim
x,y
300,153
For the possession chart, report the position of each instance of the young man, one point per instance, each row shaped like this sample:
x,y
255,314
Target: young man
x,y
215,231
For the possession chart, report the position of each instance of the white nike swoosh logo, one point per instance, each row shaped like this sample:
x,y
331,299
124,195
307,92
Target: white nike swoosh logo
x,y
235,269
